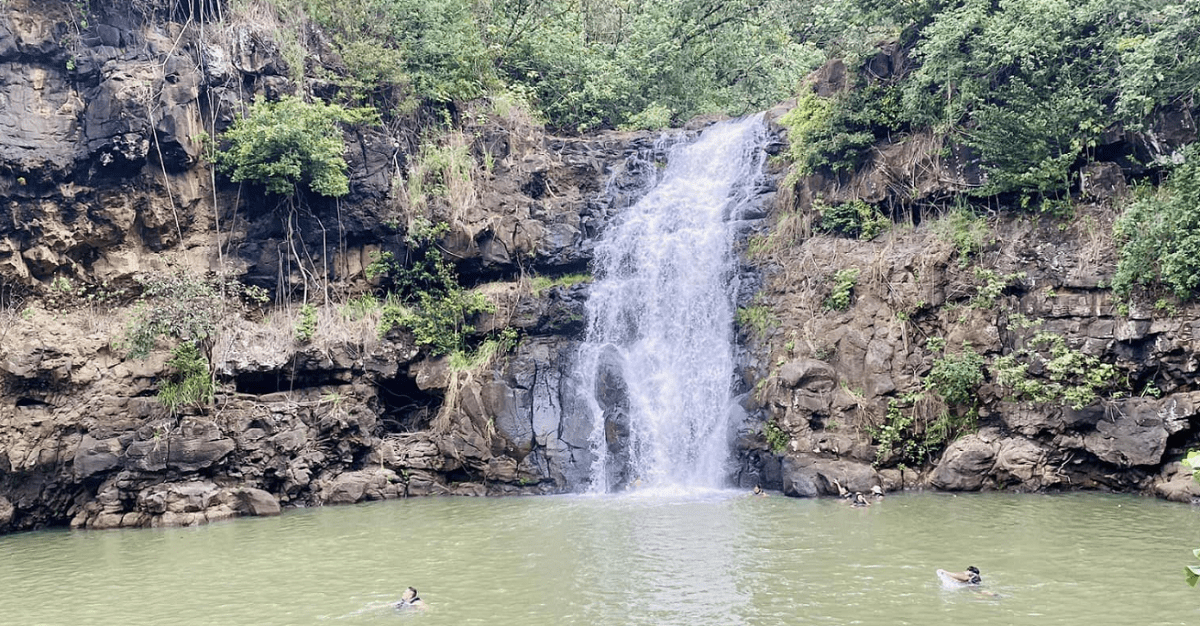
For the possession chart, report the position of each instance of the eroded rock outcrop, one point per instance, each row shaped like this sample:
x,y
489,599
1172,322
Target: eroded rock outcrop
x,y
849,390
102,133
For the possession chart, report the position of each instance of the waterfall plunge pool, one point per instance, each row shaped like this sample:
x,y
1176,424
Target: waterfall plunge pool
x,y
713,558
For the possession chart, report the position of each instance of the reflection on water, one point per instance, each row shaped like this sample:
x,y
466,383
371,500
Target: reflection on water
x,y
661,559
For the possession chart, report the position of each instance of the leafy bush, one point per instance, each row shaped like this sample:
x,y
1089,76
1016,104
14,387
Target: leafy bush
x,y
807,123
179,305
777,439
1159,236
853,219
595,65
190,384
434,49
1074,378
965,230
755,320
954,377
992,286
837,132
307,326
290,142
843,285
912,436
441,308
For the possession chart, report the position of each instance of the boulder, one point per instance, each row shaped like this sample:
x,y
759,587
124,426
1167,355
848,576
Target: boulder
x,y
808,374
189,455
807,476
1134,434
965,464
252,501
95,455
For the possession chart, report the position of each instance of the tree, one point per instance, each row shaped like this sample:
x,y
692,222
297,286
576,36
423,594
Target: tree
x,y
290,142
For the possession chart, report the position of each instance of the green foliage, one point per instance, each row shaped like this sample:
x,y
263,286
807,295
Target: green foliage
x,y
190,384
909,439
597,64
843,284
360,307
1159,236
756,320
777,439
1027,85
290,142
542,283
440,322
1071,377
179,305
1192,462
1192,572
306,327
954,377
853,219
442,308
837,132
500,343
896,432
444,169
434,49
807,124
967,232
991,286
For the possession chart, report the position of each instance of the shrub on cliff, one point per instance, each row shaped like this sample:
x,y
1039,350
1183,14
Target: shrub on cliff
x,y
1159,236
290,142
190,384
442,309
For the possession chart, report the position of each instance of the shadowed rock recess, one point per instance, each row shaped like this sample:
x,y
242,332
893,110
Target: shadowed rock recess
x,y
104,129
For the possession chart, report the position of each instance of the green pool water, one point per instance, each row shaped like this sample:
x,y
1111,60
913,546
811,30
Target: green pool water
x,y
644,558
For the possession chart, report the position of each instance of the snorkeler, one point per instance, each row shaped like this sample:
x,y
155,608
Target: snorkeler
x,y
410,600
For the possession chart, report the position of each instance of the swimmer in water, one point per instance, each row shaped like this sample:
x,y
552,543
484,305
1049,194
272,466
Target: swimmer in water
x,y
410,600
969,577
859,500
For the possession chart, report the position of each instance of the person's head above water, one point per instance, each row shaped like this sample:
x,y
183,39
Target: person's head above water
x,y
411,599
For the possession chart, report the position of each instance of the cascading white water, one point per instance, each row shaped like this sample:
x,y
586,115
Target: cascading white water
x,y
657,364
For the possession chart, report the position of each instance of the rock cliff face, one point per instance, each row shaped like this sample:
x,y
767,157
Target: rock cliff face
x,y
851,391
103,176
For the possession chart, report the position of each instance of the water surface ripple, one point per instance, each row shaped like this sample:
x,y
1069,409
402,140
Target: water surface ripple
x,y
717,557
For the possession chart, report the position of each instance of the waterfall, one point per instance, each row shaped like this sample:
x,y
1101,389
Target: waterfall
x,y
657,364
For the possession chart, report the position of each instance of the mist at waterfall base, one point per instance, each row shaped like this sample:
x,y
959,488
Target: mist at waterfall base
x,y
656,369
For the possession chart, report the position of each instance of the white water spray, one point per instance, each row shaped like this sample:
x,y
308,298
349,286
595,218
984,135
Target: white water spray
x,y
657,364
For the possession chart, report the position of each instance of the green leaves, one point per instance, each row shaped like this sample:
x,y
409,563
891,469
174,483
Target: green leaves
x,y
1159,236
442,309
190,384
291,142
954,377
1072,378
1193,571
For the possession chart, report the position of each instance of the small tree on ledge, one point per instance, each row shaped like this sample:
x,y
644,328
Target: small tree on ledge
x,y
289,142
